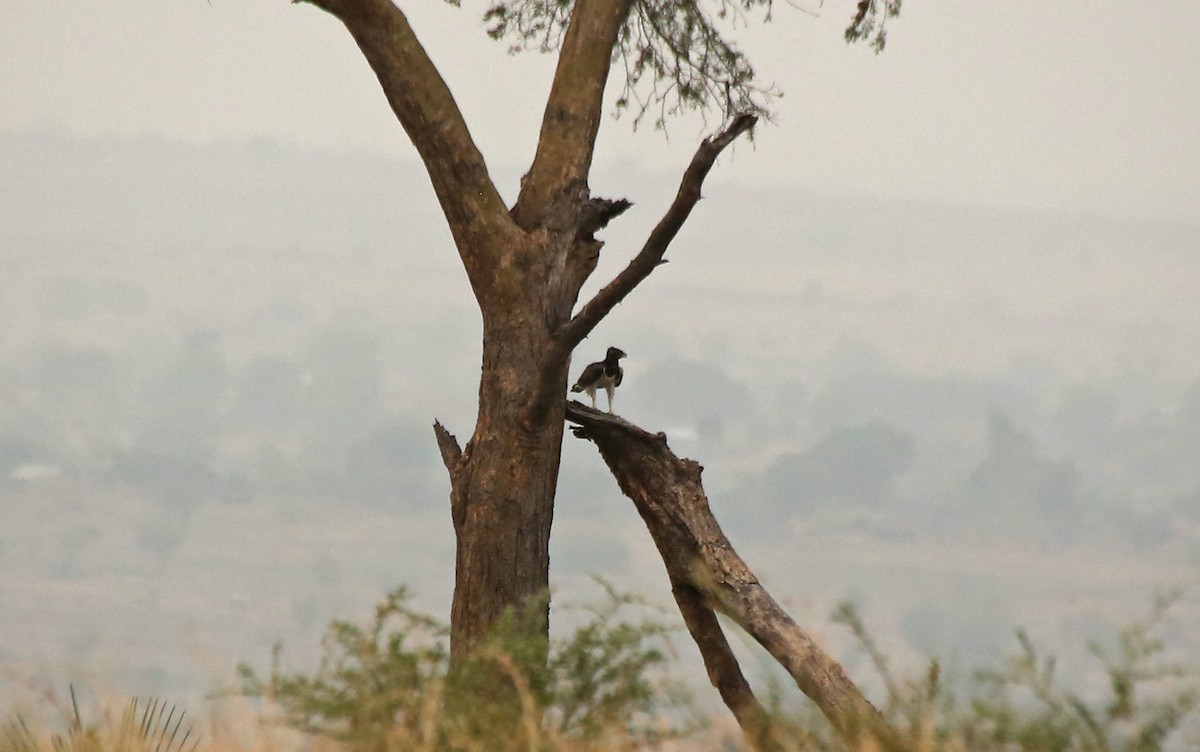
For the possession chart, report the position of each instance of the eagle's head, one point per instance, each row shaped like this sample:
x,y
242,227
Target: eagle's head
x,y
614,354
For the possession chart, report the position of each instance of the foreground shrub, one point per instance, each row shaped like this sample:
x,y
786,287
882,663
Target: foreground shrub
x,y
1145,705
388,686
1146,702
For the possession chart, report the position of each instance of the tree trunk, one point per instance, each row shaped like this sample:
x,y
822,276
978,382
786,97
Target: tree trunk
x,y
526,264
503,482
502,489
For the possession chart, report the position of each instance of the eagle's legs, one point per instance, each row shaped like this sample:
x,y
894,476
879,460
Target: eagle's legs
x,y
609,389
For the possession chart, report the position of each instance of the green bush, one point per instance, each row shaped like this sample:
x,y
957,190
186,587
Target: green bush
x,y
1023,707
1147,697
389,686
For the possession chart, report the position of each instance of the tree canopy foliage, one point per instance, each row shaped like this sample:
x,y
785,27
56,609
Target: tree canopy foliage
x,y
677,56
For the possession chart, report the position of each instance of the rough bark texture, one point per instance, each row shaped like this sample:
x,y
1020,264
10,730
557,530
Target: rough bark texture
x,y
431,118
526,267
502,489
670,498
526,278
574,108
723,670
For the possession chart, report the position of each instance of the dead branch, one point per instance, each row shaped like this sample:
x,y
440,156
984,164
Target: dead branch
x,y
670,498
448,446
452,457
661,236
723,670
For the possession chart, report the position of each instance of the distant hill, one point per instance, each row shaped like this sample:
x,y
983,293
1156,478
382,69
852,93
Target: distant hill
x,y
219,364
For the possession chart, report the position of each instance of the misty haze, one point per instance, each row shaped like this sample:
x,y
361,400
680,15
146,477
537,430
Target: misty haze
x,y
220,364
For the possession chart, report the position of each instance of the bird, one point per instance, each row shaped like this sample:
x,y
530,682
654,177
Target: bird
x,y
603,374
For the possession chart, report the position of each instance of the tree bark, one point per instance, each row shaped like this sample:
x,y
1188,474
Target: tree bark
x,y
503,483
651,254
426,109
526,279
526,267
502,492
573,109
670,498
723,670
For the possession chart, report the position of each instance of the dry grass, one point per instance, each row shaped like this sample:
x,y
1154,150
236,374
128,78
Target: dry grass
x,y
385,688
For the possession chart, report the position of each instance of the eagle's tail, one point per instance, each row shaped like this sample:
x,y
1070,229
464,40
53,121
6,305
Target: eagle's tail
x,y
577,388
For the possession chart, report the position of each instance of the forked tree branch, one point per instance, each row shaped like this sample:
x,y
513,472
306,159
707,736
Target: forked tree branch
x,y
430,116
670,498
651,255
574,108
723,670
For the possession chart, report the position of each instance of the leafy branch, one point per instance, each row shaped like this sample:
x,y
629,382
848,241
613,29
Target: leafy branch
x,y
676,56
870,22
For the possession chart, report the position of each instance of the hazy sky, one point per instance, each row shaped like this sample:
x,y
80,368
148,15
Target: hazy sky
x,y
1092,106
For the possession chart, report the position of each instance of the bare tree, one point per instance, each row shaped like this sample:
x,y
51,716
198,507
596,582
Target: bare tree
x,y
527,263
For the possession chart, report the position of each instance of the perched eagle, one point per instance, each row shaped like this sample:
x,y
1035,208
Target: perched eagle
x,y
604,374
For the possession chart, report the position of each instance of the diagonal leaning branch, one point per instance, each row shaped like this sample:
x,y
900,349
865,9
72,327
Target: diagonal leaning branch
x,y
670,498
430,116
723,670
651,255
